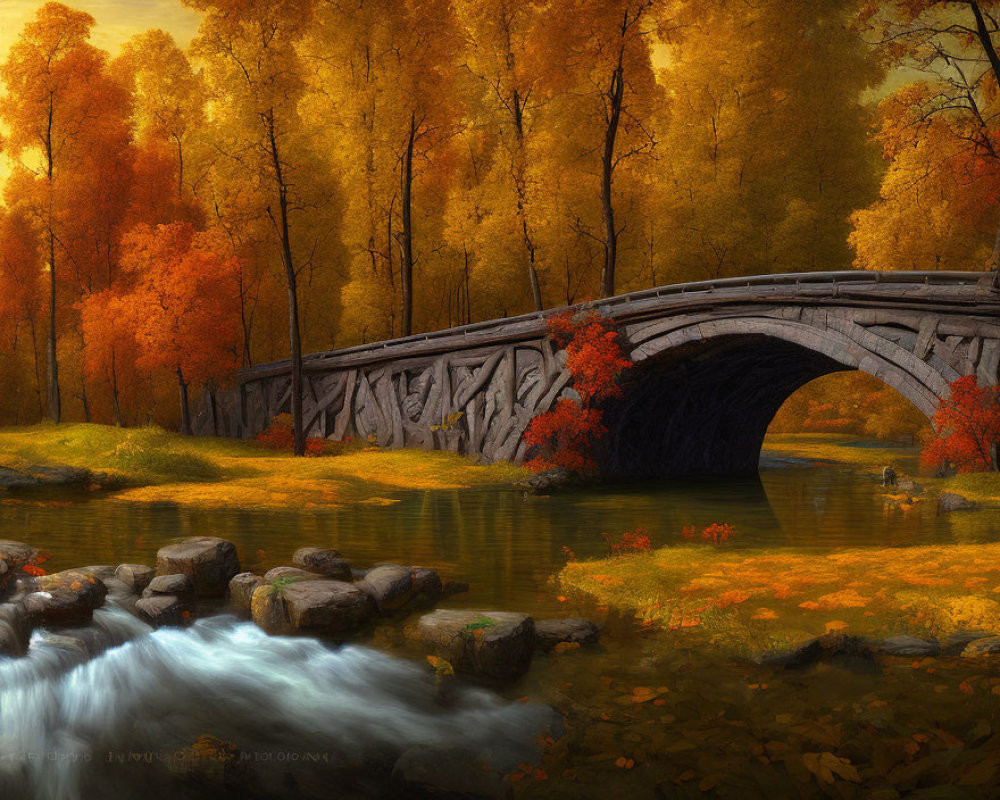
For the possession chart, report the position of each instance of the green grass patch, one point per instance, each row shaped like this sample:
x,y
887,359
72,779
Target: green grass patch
x,y
761,599
204,471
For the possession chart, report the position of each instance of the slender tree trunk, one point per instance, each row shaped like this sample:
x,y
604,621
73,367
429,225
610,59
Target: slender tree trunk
x,y
291,280
406,269
38,369
615,96
55,406
185,408
83,397
114,391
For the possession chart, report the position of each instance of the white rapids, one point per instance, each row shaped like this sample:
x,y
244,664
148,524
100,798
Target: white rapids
x,y
105,717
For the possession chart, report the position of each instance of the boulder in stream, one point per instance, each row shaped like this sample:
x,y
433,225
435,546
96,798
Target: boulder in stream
x,y
292,574
210,562
179,585
65,598
241,589
320,607
395,588
163,609
949,501
135,576
490,644
571,630
15,629
323,562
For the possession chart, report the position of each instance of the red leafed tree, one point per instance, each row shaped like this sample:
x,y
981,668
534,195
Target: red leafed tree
x,y
184,305
565,436
968,429
106,321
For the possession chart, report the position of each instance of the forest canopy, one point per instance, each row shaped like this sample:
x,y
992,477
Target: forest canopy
x,y
310,174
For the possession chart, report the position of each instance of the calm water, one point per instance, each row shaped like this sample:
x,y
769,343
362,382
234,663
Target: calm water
x,y
506,545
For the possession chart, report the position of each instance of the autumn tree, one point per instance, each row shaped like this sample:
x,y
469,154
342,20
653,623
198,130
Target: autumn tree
x,y
967,427
385,86
939,196
56,110
765,136
503,57
254,72
168,108
21,300
606,53
182,309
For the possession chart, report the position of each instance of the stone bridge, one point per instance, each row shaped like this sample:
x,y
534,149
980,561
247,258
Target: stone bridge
x,y
714,361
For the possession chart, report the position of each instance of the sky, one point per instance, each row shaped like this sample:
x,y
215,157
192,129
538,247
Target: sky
x,y
117,20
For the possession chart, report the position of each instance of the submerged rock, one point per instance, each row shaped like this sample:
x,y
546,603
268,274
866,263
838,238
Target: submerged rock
x,y
990,646
395,588
241,589
135,576
949,501
447,771
323,607
210,563
322,561
492,644
958,641
573,630
850,652
65,598
162,609
551,480
907,646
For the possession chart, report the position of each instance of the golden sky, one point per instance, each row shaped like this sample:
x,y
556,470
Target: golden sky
x,y
117,20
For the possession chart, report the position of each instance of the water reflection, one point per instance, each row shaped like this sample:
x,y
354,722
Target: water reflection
x,y
505,544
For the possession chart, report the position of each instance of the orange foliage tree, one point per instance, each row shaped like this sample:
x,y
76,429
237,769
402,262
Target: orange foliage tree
x,y
565,436
184,307
968,429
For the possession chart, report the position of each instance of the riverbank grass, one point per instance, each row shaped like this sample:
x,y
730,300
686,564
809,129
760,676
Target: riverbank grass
x,y
759,601
153,465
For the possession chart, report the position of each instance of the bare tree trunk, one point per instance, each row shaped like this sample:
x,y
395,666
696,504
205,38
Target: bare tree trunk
x,y
291,279
406,269
185,408
114,391
83,397
615,96
55,405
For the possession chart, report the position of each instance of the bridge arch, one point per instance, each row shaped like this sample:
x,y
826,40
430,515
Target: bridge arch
x,y
701,396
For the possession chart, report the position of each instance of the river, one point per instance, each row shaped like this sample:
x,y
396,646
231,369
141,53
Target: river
x,y
72,725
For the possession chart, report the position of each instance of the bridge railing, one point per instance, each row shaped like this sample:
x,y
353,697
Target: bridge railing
x,y
835,278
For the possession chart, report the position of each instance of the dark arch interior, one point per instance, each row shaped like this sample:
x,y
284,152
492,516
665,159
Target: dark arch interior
x,y
703,409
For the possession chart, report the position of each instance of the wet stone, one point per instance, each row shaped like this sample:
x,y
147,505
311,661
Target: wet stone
x,y
210,562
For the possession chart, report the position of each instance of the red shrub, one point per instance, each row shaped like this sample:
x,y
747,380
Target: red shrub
x,y
716,533
595,357
968,428
564,437
630,542
281,436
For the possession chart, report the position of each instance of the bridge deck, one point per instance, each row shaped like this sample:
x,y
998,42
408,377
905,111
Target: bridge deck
x,y
886,289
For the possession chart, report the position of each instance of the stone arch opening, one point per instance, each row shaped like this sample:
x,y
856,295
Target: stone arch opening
x,y
699,403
